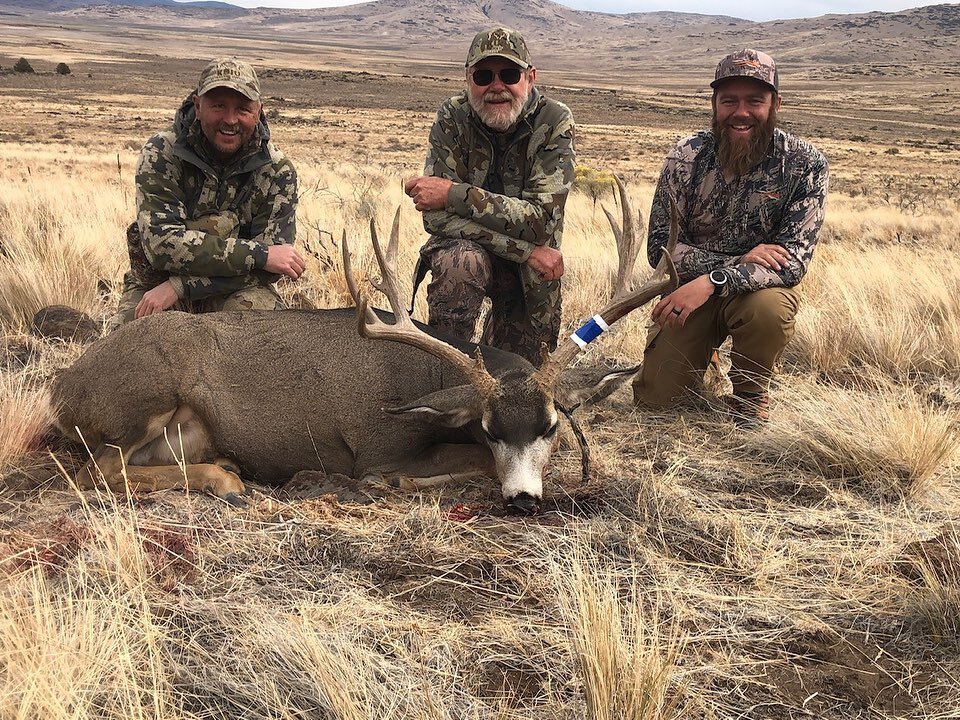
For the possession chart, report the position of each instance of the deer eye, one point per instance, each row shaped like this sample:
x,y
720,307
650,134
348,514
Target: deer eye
x,y
551,431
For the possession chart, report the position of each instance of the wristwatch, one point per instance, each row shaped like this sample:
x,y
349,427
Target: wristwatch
x,y
719,279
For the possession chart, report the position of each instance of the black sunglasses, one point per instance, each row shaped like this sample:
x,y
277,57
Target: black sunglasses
x,y
508,76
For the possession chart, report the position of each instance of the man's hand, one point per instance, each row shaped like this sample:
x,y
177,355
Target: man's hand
x,y
674,309
428,193
284,260
162,297
772,257
546,262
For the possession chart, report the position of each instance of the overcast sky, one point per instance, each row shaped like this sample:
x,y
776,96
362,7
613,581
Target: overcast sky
x,y
749,9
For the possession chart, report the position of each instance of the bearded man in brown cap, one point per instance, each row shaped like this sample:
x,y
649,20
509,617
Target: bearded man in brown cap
x,y
496,179
750,202
216,204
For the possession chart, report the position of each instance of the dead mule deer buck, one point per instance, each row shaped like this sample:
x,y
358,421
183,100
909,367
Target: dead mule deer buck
x,y
178,400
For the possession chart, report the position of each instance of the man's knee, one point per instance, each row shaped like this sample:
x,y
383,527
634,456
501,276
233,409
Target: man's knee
x,y
461,274
768,315
256,298
459,266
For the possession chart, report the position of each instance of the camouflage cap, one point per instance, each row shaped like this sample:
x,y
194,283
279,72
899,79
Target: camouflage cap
x,y
499,42
231,73
748,63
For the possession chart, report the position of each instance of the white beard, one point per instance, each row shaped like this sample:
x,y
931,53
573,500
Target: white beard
x,y
498,117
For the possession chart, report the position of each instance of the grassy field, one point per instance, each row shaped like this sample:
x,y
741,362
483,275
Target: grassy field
x,y
808,569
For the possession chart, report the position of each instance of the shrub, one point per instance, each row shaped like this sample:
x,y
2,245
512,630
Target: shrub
x,y
23,66
595,183
63,69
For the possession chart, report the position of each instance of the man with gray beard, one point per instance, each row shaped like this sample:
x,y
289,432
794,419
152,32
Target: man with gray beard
x,y
497,175
750,201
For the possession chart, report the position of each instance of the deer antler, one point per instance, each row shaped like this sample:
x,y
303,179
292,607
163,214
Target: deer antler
x,y
664,280
403,330
628,242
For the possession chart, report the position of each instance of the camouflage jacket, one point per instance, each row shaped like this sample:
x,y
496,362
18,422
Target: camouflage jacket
x,y
780,201
204,226
509,188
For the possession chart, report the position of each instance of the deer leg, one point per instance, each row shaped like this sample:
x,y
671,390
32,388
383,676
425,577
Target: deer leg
x,y
437,465
150,464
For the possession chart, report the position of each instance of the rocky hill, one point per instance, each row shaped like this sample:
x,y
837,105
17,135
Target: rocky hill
x,y
862,44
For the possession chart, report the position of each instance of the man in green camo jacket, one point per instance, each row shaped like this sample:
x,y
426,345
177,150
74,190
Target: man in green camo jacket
x,y
497,175
216,204
750,202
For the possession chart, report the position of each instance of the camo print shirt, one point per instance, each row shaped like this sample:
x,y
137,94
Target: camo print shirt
x,y
780,201
509,188
206,226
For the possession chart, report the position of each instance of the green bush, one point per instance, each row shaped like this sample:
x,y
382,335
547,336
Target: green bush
x,y
23,66
63,69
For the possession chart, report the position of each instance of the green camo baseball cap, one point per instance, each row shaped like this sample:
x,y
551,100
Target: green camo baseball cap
x,y
748,63
231,73
499,42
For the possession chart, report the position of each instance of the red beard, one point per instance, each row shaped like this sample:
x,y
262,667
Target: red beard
x,y
737,157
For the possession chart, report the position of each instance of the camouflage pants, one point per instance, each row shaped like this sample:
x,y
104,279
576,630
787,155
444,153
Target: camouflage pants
x,y
254,298
463,274
142,277
761,324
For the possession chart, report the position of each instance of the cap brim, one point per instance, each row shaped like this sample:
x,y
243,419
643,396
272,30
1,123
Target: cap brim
x,y
245,91
717,83
512,58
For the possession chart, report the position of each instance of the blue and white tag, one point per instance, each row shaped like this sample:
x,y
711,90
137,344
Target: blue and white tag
x,y
589,331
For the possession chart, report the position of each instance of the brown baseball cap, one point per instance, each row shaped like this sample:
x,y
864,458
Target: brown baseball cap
x,y
499,42
748,63
231,73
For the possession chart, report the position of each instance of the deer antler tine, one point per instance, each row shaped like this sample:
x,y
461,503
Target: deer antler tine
x,y
629,228
348,270
394,240
363,310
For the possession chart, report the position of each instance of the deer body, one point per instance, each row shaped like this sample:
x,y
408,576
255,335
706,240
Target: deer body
x,y
275,392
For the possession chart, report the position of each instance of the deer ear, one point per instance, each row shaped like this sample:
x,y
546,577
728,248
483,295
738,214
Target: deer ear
x,y
452,407
578,386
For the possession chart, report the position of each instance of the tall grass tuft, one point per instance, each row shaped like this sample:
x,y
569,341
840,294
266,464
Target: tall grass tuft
x,y
625,651
877,436
25,414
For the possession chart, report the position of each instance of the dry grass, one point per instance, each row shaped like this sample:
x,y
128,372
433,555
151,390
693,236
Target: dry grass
x,y
875,435
25,414
808,569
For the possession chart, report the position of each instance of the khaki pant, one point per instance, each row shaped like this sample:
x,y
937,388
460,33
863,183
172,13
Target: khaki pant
x,y
254,298
463,273
761,324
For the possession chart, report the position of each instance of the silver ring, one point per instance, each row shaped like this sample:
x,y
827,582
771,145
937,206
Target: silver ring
x,y
676,311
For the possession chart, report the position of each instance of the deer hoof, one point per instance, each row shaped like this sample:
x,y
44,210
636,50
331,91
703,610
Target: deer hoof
x,y
236,499
523,504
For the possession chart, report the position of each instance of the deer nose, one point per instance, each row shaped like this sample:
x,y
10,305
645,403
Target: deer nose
x,y
523,504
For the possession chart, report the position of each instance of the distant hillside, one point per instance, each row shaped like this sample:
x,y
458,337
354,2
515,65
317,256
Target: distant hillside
x,y
863,44
226,9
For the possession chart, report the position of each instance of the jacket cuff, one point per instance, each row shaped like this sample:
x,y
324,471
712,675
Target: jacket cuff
x,y
178,287
258,251
457,200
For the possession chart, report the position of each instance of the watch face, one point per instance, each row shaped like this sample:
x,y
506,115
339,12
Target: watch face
x,y
717,277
